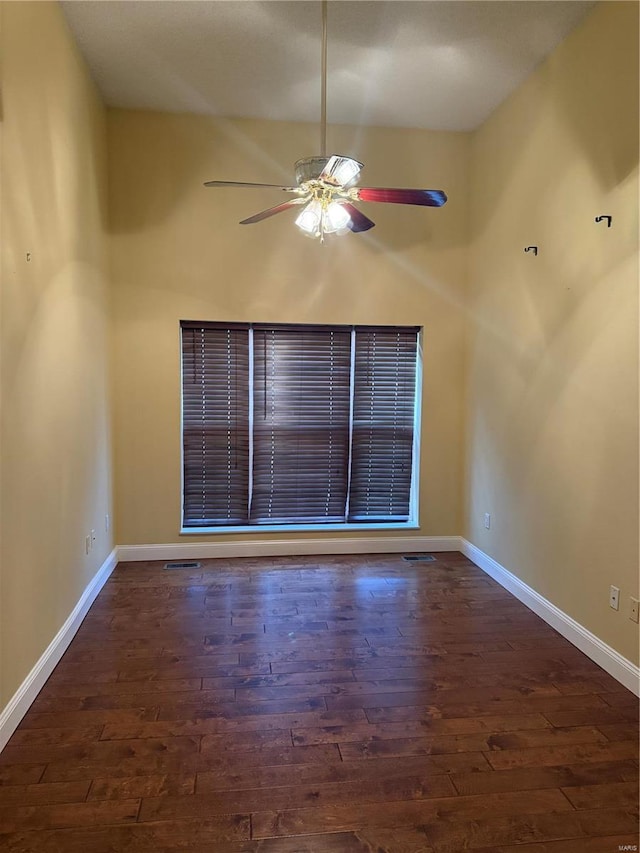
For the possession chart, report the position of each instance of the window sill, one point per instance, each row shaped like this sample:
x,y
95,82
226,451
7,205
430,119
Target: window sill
x,y
299,528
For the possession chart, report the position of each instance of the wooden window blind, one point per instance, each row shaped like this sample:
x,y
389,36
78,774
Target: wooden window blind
x,y
215,424
383,423
300,424
292,424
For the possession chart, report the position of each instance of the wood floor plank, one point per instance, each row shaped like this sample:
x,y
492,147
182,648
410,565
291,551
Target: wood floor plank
x,y
158,765
54,735
21,774
381,840
604,795
200,666
293,797
144,837
601,715
362,661
342,704
316,680
404,813
223,725
451,706
574,754
271,776
135,787
59,816
402,646
69,719
365,732
436,695
624,699
44,794
533,778
361,841
620,731
475,742
268,756
603,844
199,706
491,832
106,752
118,687
219,744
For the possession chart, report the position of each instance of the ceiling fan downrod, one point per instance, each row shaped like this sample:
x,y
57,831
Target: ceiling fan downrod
x,y
323,90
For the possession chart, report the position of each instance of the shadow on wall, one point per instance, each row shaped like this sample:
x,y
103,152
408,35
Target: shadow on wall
x,y
186,146
608,133
593,97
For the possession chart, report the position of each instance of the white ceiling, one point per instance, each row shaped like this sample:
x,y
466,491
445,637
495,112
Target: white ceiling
x,y
425,63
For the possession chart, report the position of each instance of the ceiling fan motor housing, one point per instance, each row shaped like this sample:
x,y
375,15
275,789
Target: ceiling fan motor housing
x,y
309,168
336,170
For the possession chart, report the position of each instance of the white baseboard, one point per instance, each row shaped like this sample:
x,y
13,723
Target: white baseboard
x,y
609,659
287,547
21,701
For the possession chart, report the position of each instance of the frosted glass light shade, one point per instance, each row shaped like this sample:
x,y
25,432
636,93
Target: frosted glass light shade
x,y
342,169
336,218
310,217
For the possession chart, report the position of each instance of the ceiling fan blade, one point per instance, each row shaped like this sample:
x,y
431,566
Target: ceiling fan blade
x,y
239,184
341,171
428,198
271,211
359,222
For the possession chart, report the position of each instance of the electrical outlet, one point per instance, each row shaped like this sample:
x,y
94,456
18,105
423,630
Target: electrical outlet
x,y
107,523
614,597
93,536
487,520
87,544
635,606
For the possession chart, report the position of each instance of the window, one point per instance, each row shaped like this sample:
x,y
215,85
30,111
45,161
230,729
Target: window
x,y
298,425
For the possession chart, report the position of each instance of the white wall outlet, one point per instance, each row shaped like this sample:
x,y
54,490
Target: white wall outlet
x,y
635,608
487,520
107,523
614,597
87,544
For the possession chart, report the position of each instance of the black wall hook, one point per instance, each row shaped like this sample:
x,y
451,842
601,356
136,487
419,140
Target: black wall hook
x,y
533,249
608,218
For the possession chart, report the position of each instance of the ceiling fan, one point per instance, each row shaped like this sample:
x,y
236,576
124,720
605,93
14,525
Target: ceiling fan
x,y
325,185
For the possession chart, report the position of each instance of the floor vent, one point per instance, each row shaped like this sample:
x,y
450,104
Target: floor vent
x,y
182,565
419,558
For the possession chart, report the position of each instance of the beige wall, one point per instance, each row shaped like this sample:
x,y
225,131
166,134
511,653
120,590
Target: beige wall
x,y
552,441
178,253
54,441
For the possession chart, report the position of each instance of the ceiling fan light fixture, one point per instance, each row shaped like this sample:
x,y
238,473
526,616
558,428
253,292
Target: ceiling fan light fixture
x,y
322,216
310,218
326,185
336,218
341,170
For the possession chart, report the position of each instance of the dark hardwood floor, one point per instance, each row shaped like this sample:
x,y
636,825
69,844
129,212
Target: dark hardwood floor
x,y
321,705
